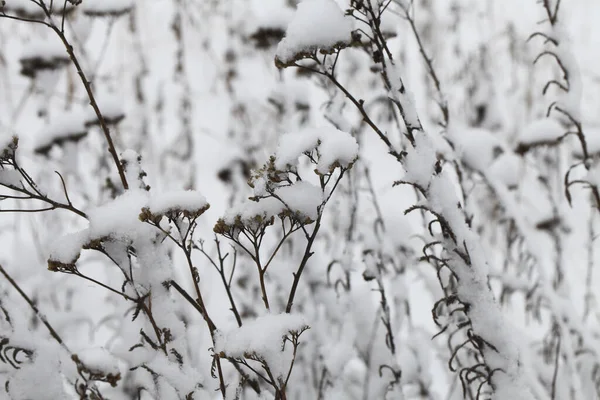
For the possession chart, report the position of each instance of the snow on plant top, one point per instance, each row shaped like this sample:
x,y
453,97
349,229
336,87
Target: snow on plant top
x,y
65,250
335,147
46,49
301,199
63,127
119,217
272,14
541,131
8,143
99,360
508,168
477,147
101,8
317,24
262,337
189,201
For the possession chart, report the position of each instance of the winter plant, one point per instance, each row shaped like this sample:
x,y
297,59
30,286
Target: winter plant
x,y
299,199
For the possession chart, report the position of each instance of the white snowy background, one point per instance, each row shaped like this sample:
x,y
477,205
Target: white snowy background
x,y
232,145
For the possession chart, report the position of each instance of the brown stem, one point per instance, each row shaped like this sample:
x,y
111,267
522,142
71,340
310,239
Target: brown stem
x,y
88,89
297,274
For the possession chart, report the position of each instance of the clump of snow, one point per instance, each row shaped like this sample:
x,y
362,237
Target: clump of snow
x,y
190,201
31,10
67,248
98,360
263,338
260,186
508,169
419,162
302,198
477,147
42,54
335,148
248,211
8,145
272,14
119,217
106,8
404,98
40,379
183,377
47,49
316,25
68,126
540,132
269,23
24,8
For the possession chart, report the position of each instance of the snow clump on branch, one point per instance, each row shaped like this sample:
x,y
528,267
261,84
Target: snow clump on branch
x,y
301,37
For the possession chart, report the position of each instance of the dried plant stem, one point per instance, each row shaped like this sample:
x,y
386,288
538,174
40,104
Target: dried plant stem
x,y
32,305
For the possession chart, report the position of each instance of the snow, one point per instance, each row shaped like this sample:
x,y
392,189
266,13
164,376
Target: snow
x,y
184,200
68,126
419,162
101,8
28,9
404,98
270,15
42,54
508,169
40,379
262,337
7,143
335,147
99,360
24,8
540,131
303,198
248,211
119,217
477,147
301,37
47,49
67,248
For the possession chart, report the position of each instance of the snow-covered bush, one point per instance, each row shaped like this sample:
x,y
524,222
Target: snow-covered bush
x,y
299,199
